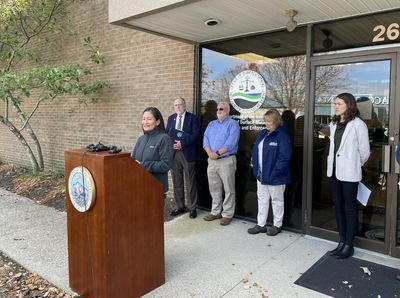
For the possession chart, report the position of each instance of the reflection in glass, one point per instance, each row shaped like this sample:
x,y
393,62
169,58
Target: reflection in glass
x,y
284,79
369,83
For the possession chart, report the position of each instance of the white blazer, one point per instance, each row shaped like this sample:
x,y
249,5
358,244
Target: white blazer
x,y
353,151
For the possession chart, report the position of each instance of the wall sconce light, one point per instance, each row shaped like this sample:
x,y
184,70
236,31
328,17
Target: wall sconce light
x,y
291,24
327,43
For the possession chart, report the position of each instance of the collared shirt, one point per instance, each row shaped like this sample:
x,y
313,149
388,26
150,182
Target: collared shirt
x,y
222,134
177,121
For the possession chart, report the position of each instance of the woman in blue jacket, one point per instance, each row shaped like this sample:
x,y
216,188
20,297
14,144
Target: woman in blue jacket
x,y
270,160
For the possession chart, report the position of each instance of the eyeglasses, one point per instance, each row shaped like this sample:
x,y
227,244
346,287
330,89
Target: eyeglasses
x,y
219,109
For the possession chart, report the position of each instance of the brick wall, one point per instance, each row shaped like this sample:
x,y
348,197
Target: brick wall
x,y
142,69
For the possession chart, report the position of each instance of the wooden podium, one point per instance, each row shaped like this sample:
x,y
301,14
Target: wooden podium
x,y
116,248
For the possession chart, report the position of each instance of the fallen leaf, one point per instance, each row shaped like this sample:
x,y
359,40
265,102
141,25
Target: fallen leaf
x,y
366,270
333,289
345,282
245,279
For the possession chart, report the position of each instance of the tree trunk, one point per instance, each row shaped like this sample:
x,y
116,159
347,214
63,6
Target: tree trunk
x,y
33,136
38,147
20,137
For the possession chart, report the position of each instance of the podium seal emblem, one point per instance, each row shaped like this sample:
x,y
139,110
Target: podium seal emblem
x,y
81,189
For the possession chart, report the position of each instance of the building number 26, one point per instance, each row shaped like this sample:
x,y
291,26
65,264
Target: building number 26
x,y
392,32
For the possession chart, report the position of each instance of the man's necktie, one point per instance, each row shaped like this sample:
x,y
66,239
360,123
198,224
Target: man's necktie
x,y
180,122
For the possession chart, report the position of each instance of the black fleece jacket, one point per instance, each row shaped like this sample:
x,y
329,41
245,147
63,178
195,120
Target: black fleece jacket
x,y
154,150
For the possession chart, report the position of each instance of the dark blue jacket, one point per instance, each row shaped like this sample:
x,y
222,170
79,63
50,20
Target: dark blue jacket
x,y
277,150
190,136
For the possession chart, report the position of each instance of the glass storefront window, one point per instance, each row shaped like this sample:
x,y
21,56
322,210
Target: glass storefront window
x,y
285,90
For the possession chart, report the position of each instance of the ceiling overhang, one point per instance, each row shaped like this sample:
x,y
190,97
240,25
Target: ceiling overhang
x,y
186,19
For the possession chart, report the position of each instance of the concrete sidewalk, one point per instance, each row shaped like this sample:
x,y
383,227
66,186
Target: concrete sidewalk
x,y
203,259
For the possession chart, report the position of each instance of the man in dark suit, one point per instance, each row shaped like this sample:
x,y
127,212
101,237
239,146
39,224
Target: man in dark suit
x,y
183,128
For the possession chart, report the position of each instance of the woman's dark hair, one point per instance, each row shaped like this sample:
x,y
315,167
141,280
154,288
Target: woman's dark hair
x,y
352,110
157,115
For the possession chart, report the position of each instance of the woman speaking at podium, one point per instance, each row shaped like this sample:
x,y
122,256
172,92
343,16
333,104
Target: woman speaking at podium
x,y
154,149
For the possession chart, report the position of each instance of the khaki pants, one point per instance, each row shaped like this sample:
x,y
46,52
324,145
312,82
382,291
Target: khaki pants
x,y
275,193
221,179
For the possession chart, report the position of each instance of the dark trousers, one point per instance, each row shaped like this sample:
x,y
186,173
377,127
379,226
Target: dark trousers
x,y
180,169
345,199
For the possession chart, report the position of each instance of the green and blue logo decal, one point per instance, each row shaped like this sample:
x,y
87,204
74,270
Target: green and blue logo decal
x,y
247,91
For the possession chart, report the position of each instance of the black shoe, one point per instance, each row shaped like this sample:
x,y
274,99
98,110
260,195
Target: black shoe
x,y
272,231
193,213
347,251
257,229
176,212
337,250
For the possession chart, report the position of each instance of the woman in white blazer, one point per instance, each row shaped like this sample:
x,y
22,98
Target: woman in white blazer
x,y
348,150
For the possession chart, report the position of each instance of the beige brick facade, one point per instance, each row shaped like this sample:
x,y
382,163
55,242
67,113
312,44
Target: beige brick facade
x,y
142,69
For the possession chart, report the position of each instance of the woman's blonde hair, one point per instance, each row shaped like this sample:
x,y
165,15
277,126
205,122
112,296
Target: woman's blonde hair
x,y
274,116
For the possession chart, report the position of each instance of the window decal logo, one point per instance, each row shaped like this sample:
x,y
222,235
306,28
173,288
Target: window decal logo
x,y
247,91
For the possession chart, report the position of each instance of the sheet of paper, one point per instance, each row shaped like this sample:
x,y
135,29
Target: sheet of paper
x,y
363,194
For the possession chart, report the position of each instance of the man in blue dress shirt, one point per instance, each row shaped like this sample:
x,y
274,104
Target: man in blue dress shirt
x,y
220,141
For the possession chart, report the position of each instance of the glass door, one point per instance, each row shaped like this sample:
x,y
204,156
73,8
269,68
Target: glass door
x,y
371,79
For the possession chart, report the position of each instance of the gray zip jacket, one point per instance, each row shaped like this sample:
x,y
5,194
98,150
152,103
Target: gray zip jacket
x,y
154,150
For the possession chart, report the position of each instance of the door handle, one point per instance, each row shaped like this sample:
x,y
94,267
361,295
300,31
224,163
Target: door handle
x,y
386,158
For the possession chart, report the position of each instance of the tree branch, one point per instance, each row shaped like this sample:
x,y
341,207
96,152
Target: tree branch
x,y
6,107
26,119
41,26
35,31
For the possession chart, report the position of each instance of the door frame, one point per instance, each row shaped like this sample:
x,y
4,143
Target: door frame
x,y
389,246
